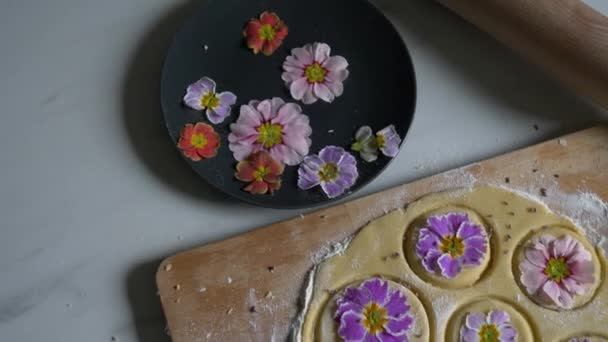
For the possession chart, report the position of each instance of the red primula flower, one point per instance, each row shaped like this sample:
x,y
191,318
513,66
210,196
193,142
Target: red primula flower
x,y
198,141
265,34
261,172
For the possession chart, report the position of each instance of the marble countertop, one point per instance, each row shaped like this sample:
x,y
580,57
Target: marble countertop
x,y
93,195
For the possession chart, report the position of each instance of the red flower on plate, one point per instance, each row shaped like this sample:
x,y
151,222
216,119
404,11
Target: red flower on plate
x,y
265,34
198,141
262,173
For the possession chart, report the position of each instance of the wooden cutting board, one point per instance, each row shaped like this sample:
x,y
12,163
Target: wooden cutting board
x,y
247,288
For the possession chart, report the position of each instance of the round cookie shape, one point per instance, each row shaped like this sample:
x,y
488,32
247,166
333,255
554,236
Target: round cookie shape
x,y
586,338
556,268
489,318
381,298
448,247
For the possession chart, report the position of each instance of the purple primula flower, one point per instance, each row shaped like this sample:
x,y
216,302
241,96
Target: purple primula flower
x,y
556,269
388,141
493,327
274,126
334,169
201,95
450,242
312,74
373,312
580,339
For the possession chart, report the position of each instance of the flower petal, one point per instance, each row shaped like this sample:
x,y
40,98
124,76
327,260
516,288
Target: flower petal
x,y
269,18
351,328
397,305
532,277
377,289
227,98
468,335
507,333
427,241
387,337
332,189
332,154
475,320
536,257
257,188
298,88
218,115
498,317
335,63
450,267
336,87
430,260
323,92
364,133
582,272
559,296
244,172
400,326
466,229
321,52
309,96
440,224
303,55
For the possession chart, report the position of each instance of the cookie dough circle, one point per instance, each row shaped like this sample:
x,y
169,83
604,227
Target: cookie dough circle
x,y
558,232
469,275
485,305
327,327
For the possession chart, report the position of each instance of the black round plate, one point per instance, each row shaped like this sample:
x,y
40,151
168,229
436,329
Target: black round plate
x,y
381,88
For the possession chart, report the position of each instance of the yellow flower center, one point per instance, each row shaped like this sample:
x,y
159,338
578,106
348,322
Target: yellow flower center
x,y
557,269
269,134
489,333
328,172
380,140
267,32
261,172
210,100
453,245
375,318
198,140
315,73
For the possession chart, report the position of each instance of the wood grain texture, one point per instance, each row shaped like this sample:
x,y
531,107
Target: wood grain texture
x,y
568,38
223,311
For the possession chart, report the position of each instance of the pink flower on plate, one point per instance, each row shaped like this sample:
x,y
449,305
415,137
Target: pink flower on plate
x,y
312,74
274,126
556,269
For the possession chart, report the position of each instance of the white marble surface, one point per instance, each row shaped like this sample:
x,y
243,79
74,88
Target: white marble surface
x,y
93,194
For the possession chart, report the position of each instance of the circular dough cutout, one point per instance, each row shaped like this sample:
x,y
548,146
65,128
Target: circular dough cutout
x,y
558,232
469,275
584,337
485,305
327,327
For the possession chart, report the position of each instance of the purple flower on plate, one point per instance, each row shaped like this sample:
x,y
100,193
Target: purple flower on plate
x,y
493,327
334,169
556,269
373,312
312,74
201,95
386,140
450,242
274,126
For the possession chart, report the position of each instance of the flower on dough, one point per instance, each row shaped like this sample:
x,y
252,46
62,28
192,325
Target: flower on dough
x,y
261,171
333,168
265,34
198,141
201,95
493,327
274,126
312,74
373,312
450,242
386,140
556,269
580,339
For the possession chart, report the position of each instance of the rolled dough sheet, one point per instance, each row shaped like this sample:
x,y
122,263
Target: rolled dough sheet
x,y
384,248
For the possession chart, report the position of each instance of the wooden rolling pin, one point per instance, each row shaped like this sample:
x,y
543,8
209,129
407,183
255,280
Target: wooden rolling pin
x,y
568,38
